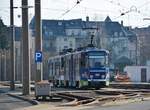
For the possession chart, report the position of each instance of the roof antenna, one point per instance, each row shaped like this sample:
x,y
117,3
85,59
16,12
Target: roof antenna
x,y
91,44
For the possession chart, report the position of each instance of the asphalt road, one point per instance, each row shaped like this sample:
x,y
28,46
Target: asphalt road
x,y
144,105
10,103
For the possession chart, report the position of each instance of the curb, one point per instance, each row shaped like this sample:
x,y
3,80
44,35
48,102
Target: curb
x,y
33,102
4,84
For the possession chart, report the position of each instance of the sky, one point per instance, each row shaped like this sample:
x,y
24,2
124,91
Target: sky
x,y
97,10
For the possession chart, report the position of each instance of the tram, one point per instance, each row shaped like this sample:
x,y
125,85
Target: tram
x,y
85,68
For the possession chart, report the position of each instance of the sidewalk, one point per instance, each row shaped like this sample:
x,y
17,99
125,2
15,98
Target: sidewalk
x,y
48,105
37,105
17,93
53,107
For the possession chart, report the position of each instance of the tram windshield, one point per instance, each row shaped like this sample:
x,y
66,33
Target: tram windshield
x,y
97,61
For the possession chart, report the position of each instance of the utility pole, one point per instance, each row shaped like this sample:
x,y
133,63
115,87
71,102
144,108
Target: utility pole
x,y
38,39
136,47
0,65
12,83
5,64
26,52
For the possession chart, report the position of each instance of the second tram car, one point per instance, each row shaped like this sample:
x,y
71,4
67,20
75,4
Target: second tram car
x,y
85,68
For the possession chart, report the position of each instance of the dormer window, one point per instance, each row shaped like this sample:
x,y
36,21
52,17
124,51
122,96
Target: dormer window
x,y
121,34
72,23
116,34
59,23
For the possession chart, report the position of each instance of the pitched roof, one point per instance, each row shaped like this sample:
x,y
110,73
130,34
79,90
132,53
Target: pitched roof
x,y
53,27
74,24
108,19
58,27
112,27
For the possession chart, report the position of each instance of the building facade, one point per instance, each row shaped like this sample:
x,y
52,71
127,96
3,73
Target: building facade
x,y
62,34
143,39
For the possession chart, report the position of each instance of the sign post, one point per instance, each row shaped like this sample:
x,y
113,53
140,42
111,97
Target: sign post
x,y
38,41
38,61
38,57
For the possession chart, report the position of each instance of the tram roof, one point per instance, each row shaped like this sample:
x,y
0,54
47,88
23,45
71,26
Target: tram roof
x,y
77,52
96,49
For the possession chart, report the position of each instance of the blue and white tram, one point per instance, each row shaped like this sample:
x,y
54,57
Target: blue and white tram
x,y
86,68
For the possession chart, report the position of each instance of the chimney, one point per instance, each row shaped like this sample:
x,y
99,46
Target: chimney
x,y
121,22
87,18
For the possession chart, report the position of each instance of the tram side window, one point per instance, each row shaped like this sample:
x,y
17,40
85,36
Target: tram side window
x,y
62,62
51,68
107,62
82,61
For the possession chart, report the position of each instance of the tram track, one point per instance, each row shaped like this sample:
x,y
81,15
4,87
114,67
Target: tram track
x,y
73,97
100,97
76,99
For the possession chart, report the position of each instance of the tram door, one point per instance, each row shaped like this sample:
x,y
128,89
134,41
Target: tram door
x,y
73,70
143,74
69,69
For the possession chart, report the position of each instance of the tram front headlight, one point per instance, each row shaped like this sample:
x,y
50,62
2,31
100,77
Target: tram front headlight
x,y
103,76
91,76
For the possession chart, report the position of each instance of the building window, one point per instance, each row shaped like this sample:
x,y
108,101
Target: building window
x,y
70,44
46,44
116,34
50,33
72,33
121,34
65,47
46,33
51,44
65,39
59,23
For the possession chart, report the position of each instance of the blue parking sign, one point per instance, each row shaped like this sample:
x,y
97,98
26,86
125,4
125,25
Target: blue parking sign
x,y
38,56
